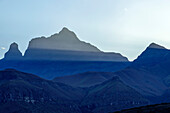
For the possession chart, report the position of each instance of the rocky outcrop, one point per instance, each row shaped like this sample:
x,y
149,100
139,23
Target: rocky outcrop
x,y
13,53
64,40
66,46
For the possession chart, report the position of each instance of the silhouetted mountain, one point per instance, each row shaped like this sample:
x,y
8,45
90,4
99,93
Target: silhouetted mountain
x,y
112,95
157,108
62,54
153,54
149,73
18,87
86,79
22,92
13,53
66,46
64,40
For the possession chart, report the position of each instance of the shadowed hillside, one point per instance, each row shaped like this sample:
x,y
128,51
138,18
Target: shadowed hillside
x,y
158,108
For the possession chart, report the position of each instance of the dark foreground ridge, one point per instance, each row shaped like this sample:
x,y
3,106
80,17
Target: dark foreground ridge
x,y
31,93
158,108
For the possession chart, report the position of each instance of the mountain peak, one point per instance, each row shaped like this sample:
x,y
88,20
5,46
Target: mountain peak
x,y
65,29
65,45
13,53
156,46
154,53
64,40
65,35
14,45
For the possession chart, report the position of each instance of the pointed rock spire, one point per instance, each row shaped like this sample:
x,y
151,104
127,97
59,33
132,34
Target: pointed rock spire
x,y
13,53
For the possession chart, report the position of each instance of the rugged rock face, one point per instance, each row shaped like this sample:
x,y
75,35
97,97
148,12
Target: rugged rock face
x,y
13,53
66,46
64,40
62,46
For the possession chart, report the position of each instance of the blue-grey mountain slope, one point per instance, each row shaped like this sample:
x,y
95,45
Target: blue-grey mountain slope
x,y
61,54
22,92
65,45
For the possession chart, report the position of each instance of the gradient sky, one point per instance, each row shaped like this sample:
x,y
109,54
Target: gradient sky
x,y
125,26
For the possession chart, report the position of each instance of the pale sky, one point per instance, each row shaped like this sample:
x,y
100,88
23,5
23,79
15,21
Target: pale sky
x,y
124,26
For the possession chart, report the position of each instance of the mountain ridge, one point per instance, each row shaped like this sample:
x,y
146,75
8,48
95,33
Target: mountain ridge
x,y
63,44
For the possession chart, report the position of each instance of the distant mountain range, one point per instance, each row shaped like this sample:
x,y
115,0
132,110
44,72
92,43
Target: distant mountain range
x,y
148,74
81,79
61,54
62,46
30,93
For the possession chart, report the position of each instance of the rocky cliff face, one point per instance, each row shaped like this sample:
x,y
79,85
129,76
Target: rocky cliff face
x,y
64,40
66,46
13,53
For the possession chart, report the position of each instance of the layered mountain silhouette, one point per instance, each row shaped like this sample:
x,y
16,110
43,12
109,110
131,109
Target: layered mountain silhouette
x,y
148,74
64,45
61,54
82,78
30,93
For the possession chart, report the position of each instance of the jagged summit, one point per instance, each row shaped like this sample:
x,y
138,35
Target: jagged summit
x,y
13,53
65,45
64,40
156,46
65,35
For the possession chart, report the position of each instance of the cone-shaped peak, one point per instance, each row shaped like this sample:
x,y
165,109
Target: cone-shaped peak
x,y
156,46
